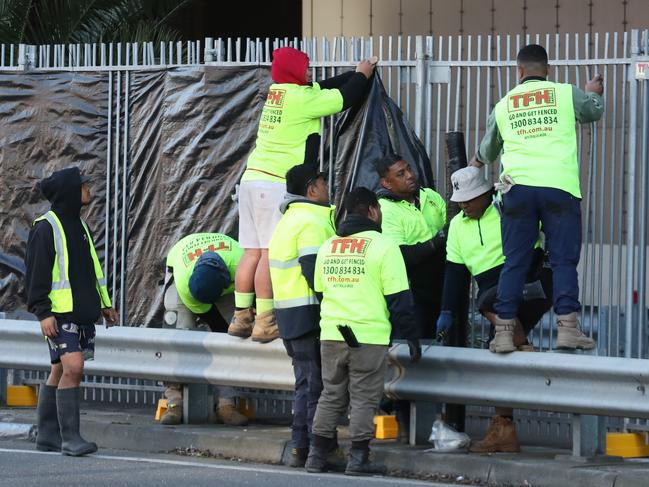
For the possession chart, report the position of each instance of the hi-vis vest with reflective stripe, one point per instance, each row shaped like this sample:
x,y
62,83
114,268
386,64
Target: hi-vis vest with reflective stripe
x,y
61,293
300,231
536,121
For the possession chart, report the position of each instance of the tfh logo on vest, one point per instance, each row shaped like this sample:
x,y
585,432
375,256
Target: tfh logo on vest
x,y
275,98
350,245
211,248
531,99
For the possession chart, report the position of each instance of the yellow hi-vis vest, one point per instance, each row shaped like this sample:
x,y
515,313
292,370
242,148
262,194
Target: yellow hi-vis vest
x,y
536,121
61,293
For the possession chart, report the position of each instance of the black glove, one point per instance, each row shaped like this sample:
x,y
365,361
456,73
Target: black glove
x,y
438,242
414,348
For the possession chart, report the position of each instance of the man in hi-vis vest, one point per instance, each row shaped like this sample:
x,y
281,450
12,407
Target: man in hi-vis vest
x,y
67,292
534,125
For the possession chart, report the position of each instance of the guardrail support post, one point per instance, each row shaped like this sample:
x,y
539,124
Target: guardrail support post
x,y
585,435
422,417
196,404
3,387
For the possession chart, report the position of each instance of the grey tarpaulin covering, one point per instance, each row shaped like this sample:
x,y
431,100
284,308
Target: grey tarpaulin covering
x,y
47,122
190,132
370,131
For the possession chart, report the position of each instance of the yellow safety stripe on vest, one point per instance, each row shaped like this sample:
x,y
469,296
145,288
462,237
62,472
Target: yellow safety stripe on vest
x,y
59,247
293,303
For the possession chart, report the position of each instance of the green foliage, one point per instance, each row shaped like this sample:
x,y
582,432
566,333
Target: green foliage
x,y
88,21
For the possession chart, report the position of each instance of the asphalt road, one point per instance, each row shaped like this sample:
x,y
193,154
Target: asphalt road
x,y
21,465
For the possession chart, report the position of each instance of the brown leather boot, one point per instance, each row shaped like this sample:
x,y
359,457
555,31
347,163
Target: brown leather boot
x,y
242,323
173,414
265,329
503,340
500,437
228,414
569,334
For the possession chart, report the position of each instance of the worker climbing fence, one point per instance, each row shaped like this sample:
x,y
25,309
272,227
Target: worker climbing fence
x,y
150,118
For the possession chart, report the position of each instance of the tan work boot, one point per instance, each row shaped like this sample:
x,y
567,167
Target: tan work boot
x,y
569,334
500,437
228,414
503,341
525,347
265,329
242,323
173,414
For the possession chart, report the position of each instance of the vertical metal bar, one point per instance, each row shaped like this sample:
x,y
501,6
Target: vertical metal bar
x,y
467,107
118,95
642,220
408,76
631,185
108,161
438,158
124,243
420,77
458,85
399,69
390,67
428,113
448,88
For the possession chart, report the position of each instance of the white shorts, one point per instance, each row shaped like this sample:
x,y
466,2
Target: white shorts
x,y
259,212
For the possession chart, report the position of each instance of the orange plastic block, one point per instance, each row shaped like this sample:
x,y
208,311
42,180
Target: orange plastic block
x,y
386,427
162,408
24,396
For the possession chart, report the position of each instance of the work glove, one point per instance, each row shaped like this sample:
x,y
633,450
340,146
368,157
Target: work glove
x,y
444,324
414,348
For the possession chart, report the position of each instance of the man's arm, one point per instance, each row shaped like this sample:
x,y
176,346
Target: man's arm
x,y
456,277
490,145
336,81
401,306
39,260
588,104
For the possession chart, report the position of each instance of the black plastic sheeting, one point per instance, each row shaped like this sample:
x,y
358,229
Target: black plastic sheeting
x,y
47,122
190,132
374,129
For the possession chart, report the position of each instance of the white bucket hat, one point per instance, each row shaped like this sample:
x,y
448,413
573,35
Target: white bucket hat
x,y
468,183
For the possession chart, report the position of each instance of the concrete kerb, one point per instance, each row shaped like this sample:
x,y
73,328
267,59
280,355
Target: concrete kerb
x,y
536,467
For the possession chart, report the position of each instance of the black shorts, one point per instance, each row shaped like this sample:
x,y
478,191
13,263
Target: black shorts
x,y
72,338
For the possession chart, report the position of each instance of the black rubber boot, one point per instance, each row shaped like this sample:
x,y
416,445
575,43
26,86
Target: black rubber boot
x,y
298,457
67,404
359,460
48,436
318,452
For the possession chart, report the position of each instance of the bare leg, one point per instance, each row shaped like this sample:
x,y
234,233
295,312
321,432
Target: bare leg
x,y
263,287
244,281
72,370
55,375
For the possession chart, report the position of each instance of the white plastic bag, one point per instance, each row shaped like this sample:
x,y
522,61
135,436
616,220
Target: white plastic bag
x,y
446,439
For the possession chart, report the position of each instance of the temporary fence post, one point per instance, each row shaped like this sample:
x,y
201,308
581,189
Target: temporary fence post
x,y
3,387
422,417
585,435
421,67
195,403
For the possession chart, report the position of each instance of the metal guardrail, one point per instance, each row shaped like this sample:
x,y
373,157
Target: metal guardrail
x,y
554,381
560,382
160,354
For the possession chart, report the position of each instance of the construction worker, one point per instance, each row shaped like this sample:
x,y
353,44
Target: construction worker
x,y
413,218
474,247
198,287
534,124
67,292
288,135
307,221
365,293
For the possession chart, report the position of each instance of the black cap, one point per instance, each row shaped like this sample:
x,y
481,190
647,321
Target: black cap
x,y
299,177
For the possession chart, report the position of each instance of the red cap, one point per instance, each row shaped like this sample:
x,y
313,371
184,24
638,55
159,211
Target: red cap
x,y
289,66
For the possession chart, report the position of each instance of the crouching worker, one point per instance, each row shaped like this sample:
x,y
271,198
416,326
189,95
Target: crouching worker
x,y
474,246
66,290
362,277
199,281
307,221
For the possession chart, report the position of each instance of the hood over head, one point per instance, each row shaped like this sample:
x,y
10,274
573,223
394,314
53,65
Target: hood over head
x,y
289,66
355,224
63,191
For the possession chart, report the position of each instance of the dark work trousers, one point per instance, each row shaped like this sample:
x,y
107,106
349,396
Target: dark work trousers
x,y
305,354
560,215
530,311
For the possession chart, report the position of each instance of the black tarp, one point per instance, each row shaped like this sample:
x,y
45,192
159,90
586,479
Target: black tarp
x,y
373,129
